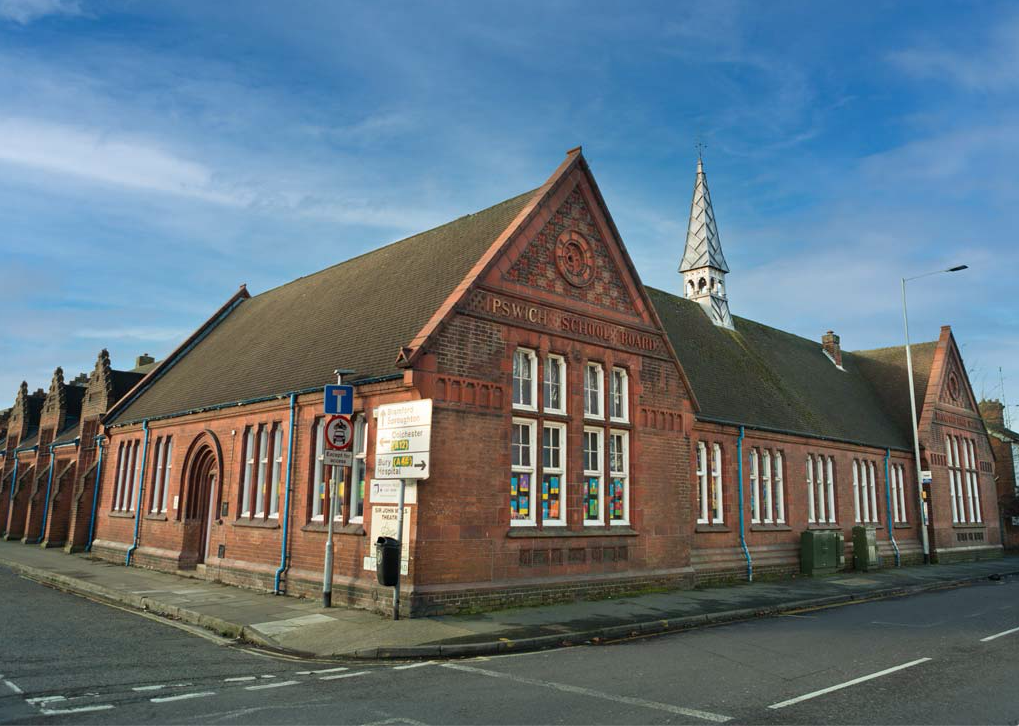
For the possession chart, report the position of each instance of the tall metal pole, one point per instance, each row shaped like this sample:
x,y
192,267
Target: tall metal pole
x,y
327,576
916,435
399,538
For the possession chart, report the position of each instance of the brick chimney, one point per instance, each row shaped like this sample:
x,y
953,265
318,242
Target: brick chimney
x,y
993,412
830,343
143,360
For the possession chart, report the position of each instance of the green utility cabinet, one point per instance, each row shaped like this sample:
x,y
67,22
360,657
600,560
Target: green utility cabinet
x,y
865,556
821,552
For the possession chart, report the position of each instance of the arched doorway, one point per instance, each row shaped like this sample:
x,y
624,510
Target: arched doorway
x,y
199,503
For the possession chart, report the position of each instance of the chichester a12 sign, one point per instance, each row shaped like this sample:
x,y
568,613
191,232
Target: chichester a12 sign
x,y
339,436
403,435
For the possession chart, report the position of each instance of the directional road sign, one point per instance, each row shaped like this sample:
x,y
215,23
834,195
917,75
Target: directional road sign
x,y
402,440
339,439
339,400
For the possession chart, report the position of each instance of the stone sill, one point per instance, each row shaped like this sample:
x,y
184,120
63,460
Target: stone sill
x,y
770,528
704,528
122,515
259,523
552,532
356,528
971,526
156,517
902,525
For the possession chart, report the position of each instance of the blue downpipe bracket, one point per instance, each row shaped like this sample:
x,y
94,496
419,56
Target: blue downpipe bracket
x,y
95,494
139,504
888,509
286,497
742,526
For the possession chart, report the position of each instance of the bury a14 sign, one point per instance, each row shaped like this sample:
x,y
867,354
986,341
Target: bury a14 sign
x,y
403,434
339,440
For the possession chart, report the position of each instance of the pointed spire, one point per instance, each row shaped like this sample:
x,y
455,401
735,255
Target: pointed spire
x,y
703,246
704,267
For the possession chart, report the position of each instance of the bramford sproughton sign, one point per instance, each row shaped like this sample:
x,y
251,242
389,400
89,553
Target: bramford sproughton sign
x,y
403,439
501,306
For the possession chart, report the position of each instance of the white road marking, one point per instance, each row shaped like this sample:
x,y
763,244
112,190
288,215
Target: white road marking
x,y
998,635
908,625
147,688
397,722
45,699
13,687
330,670
847,684
183,697
304,673
275,684
344,675
82,709
413,665
667,707
238,679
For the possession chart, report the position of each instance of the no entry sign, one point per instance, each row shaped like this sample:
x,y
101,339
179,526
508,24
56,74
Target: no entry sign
x,y
339,442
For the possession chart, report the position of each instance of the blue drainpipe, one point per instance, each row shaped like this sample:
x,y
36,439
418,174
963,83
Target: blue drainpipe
x,y
888,508
742,533
140,504
95,494
14,484
286,497
14,475
49,487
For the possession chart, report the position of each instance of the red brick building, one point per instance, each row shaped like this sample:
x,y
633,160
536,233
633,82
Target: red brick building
x,y
52,444
1005,443
590,435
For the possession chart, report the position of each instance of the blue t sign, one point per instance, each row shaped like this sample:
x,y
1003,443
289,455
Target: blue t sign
x,y
339,400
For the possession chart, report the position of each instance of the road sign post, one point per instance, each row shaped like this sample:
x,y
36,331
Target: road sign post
x,y
403,436
339,437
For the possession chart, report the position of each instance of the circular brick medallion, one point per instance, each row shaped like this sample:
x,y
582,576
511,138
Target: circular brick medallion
x,y
574,259
953,386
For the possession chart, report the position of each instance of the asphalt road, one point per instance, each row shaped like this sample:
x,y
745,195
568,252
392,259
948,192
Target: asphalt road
x,y
945,657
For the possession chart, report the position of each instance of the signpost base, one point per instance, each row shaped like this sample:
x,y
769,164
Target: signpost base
x,y
399,537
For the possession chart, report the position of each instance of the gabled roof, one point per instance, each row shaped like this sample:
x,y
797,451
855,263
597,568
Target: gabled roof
x,y
355,315
124,381
885,368
703,246
30,440
766,378
1001,433
69,433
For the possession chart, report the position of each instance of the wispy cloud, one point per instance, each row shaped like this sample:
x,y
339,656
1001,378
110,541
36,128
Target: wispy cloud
x,y
991,65
27,11
139,333
107,158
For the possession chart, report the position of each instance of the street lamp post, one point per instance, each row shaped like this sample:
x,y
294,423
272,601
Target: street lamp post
x,y
912,406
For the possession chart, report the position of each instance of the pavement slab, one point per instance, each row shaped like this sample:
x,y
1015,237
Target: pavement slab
x,y
301,626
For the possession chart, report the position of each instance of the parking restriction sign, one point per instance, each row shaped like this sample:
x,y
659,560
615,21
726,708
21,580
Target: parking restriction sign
x,y
339,440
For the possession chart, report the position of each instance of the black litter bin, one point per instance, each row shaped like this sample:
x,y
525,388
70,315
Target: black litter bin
x,y
387,561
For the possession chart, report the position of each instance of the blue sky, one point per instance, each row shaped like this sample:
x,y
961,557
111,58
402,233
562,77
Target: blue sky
x,y
154,156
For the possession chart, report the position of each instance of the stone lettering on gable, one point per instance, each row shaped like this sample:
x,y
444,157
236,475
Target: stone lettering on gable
x,y
556,321
569,257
